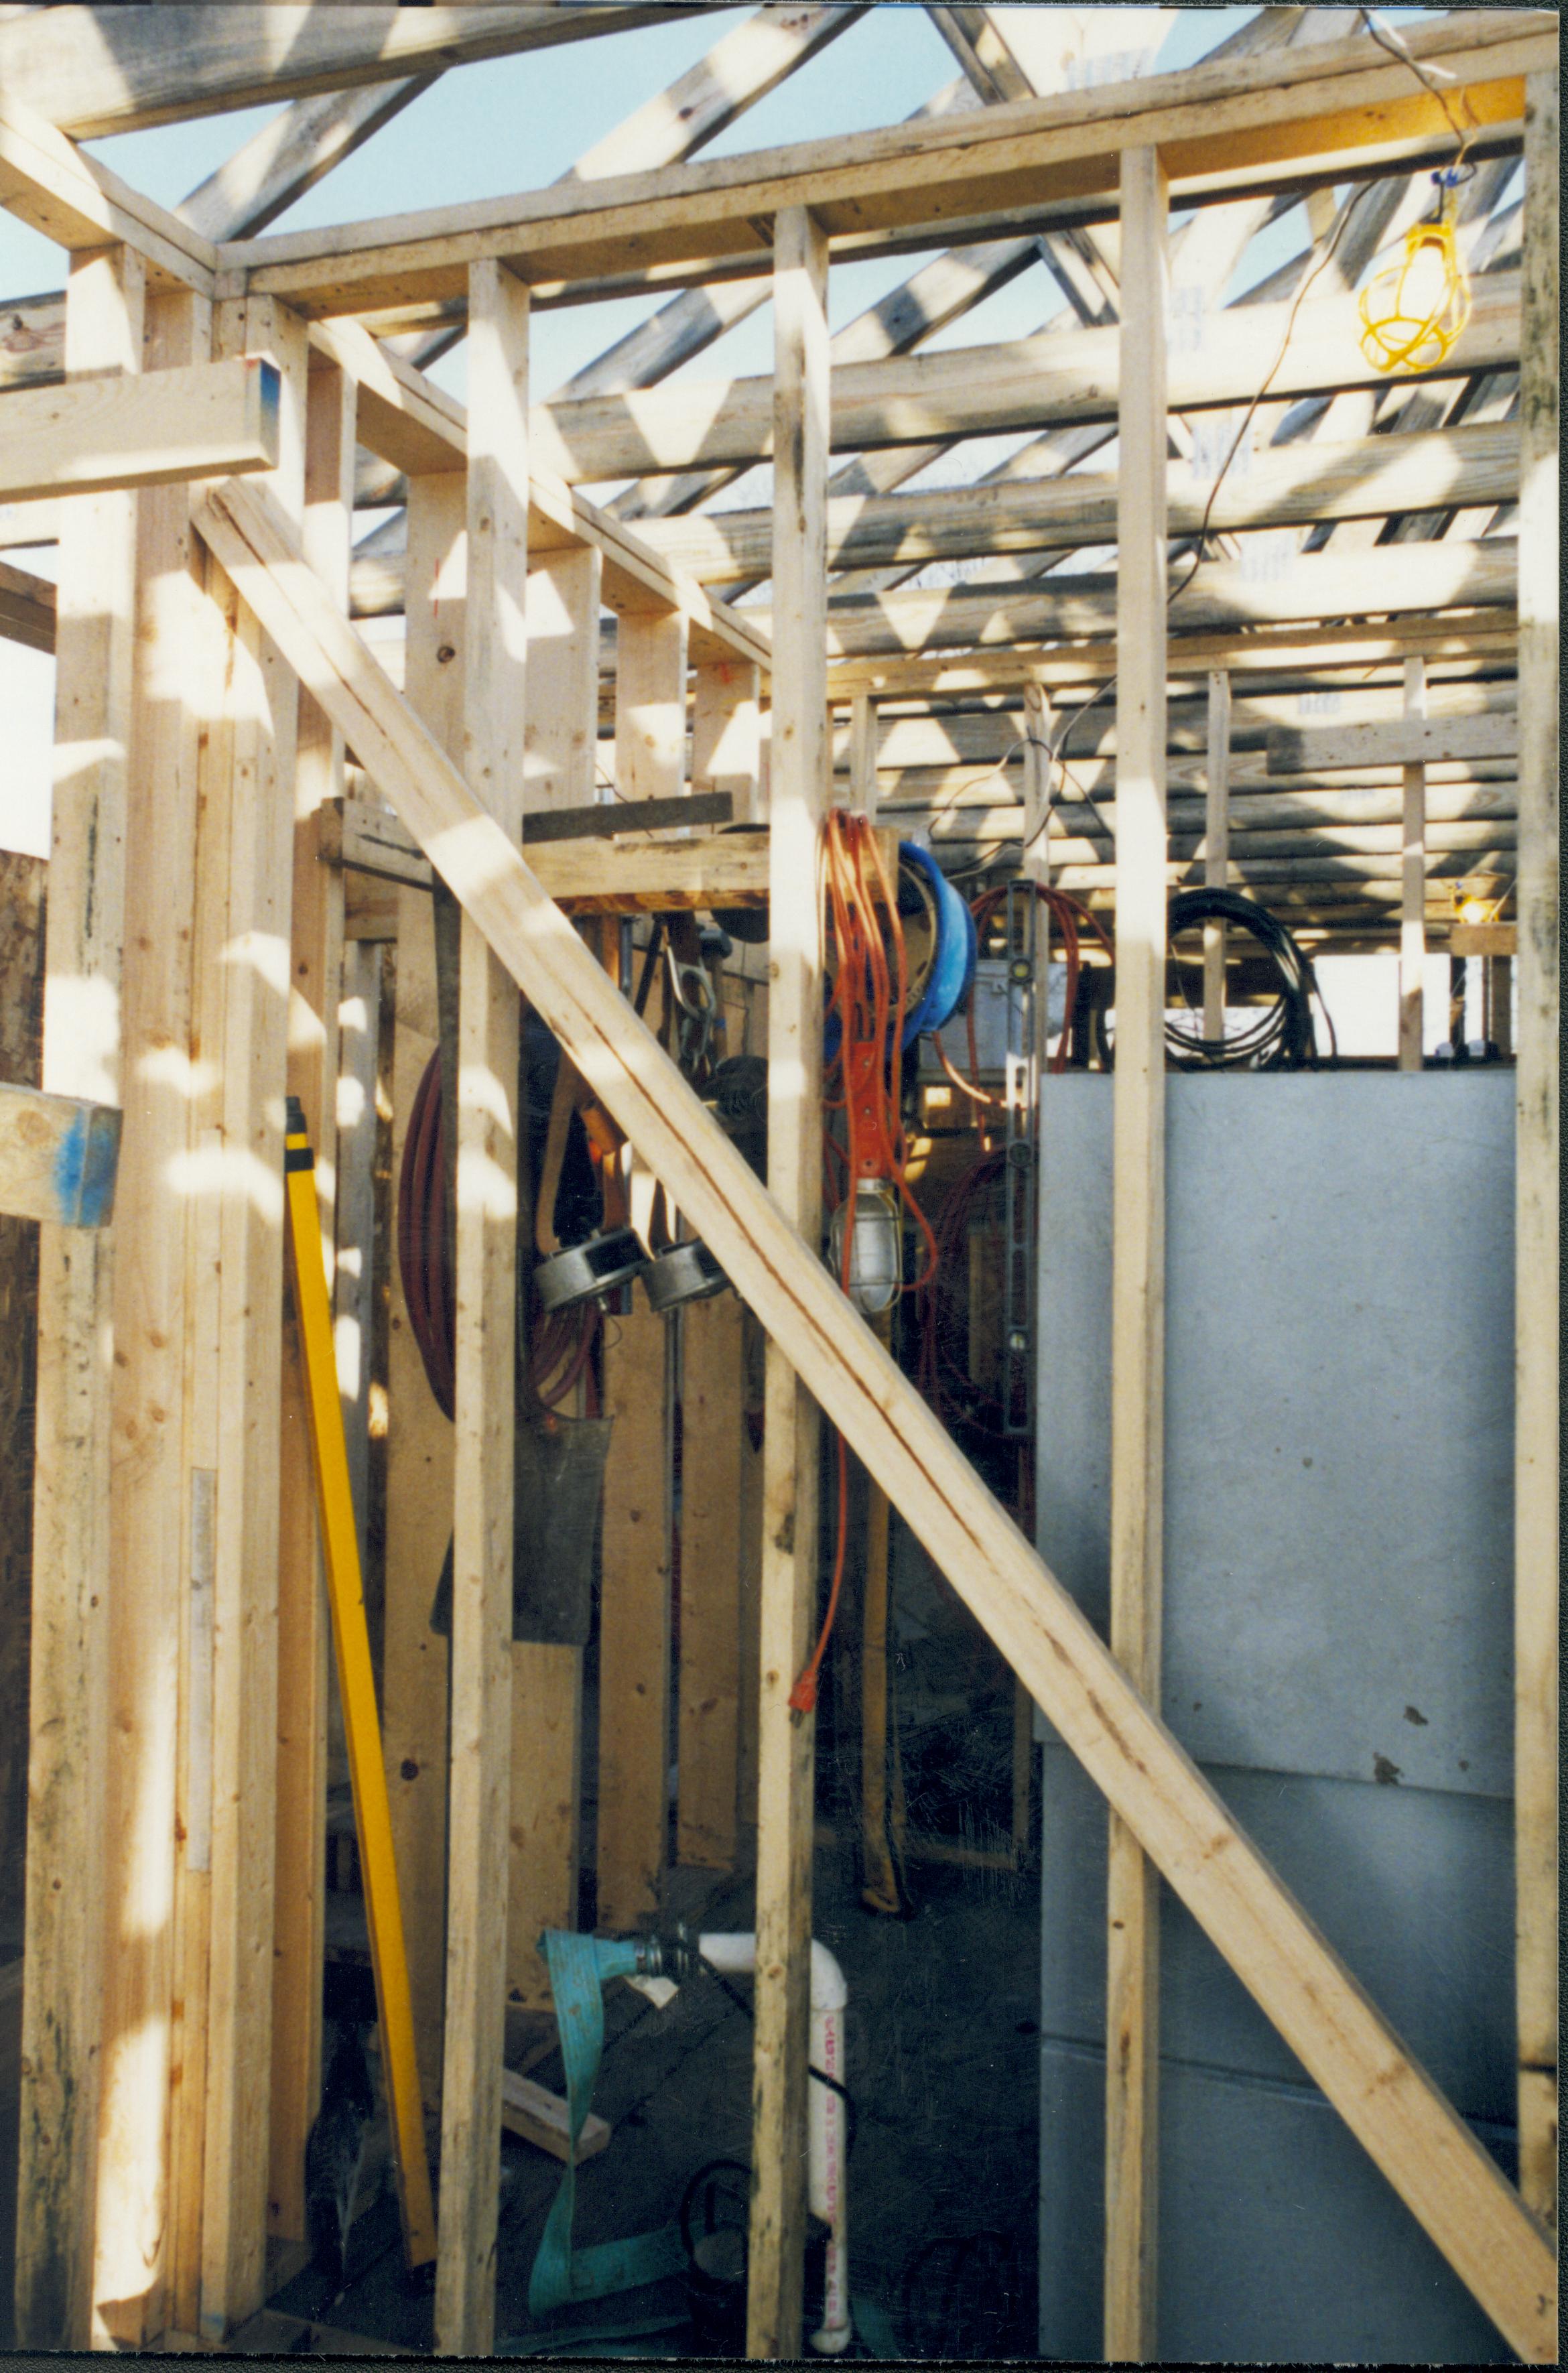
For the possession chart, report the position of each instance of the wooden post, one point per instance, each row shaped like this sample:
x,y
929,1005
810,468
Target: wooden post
x,y
879,1880
787,1741
560,740
354,1285
479,1821
1216,846
248,824
862,755
147,1504
1132,2045
70,1702
419,1439
314,991
633,1619
706,1797
727,734
1413,891
1537,1348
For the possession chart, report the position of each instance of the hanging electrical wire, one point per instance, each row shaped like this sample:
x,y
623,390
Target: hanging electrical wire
x,y
869,1004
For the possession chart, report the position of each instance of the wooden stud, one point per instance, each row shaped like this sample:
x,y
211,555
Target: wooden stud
x,y
354,1279
70,1703
147,1496
862,755
635,1555
879,1878
419,1439
1445,2177
248,827
1412,870
479,1818
711,1380
727,735
560,740
633,1626
650,706
1216,847
1132,2030
786,1742
1538,1350
314,991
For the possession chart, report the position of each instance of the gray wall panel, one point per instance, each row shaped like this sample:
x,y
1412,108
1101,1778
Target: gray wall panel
x,y
1339,1529
1279,2242
1413,1888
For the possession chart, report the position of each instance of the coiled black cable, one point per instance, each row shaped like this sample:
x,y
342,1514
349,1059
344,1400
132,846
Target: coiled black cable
x,y
1284,1037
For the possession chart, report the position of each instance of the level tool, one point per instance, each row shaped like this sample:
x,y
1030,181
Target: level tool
x,y
357,1686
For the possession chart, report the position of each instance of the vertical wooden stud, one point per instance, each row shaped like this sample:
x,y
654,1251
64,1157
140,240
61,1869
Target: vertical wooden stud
x,y
862,755
248,840
480,1799
651,705
358,1041
727,734
712,1355
145,1496
419,1439
1216,846
1412,886
634,1622
786,1742
69,1719
1132,2051
560,746
315,975
1537,1349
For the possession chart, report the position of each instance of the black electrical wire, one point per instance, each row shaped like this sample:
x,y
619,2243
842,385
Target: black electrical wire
x,y
1284,1037
820,2075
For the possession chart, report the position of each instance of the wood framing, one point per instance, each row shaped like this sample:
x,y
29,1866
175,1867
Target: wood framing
x,y
1225,131
1138,1250
314,991
70,1704
479,1818
1536,1440
786,1738
1229,603
207,420
1445,2177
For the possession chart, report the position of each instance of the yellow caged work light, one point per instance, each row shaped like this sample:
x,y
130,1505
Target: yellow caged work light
x,y
1413,310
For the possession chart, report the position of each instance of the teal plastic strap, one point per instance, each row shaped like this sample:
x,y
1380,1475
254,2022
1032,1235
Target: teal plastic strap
x,y
580,1968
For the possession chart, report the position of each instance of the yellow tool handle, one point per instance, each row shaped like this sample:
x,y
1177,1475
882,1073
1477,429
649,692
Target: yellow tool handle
x,y
372,1811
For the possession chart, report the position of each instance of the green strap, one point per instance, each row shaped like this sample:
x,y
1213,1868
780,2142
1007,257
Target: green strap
x,y
580,1968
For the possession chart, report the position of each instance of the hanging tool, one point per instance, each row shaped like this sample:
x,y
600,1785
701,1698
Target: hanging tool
x,y
357,1686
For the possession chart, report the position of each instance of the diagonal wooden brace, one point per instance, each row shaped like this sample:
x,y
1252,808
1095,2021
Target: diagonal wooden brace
x,y
1443,2175
58,1157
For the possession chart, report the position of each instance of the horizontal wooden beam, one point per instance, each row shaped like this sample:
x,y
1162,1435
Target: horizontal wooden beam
x,y
27,608
1259,590
1443,2174
1054,379
1484,638
96,70
1397,741
78,201
409,421
1294,486
207,420
1224,130
58,1158
596,877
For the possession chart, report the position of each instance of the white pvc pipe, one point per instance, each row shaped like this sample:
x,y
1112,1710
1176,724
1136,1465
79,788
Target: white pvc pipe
x,y
735,1956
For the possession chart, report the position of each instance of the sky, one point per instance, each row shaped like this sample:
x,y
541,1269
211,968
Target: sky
x,y
516,123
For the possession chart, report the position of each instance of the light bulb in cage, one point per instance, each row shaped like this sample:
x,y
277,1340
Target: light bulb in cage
x,y
1413,310
876,1247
